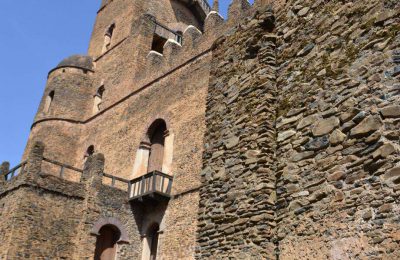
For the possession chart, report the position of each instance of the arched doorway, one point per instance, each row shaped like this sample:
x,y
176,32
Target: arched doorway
x,y
156,135
106,245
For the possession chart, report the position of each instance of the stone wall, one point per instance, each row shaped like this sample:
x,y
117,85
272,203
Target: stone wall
x,y
130,105
120,12
338,130
43,224
300,126
44,216
236,215
331,138
72,94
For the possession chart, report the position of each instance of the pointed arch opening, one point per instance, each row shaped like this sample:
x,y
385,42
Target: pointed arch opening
x,y
108,37
49,101
98,99
89,152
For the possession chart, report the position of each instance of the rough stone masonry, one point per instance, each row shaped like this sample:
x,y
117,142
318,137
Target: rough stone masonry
x,y
301,153
285,121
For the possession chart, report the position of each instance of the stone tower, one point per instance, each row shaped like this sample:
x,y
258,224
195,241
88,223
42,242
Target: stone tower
x,y
273,134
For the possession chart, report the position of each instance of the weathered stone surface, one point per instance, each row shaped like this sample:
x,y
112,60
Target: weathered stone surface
x,y
285,135
289,120
317,143
307,121
301,156
292,118
390,111
306,50
348,75
325,126
336,176
368,125
392,173
396,71
303,11
384,151
232,142
248,193
337,137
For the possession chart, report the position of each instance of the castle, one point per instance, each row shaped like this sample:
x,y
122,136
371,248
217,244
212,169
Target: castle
x,y
273,134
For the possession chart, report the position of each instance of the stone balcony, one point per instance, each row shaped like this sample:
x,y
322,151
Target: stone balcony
x,y
154,186
149,188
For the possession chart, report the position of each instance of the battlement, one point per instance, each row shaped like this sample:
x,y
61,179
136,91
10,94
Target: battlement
x,y
148,185
194,42
67,199
37,165
169,51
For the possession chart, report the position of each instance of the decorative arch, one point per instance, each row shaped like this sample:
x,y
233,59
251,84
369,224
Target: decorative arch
x,y
152,124
156,137
155,152
110,221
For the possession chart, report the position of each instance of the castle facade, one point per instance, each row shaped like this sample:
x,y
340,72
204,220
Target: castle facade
x,y
273,134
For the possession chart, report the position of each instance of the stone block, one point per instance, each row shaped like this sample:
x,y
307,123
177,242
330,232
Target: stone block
x,y
325,126
367,126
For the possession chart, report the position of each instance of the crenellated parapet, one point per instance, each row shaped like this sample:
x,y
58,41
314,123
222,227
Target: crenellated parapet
x,y
62,212
4,169
193,43
213,20
38,167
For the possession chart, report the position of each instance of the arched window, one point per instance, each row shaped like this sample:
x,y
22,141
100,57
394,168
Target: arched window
x,y
156,135
152,240
155,152
106,244
89,151
108,37
49,100
98,98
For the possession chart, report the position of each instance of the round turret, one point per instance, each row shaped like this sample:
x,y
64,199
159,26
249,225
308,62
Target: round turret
x,y
68,93
76,61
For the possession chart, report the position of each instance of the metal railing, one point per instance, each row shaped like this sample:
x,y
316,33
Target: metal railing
x,y
17,170
64,168
166,32
152,183
116,182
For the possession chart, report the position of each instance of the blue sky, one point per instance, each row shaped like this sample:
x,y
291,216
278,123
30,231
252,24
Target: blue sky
x,y
35,36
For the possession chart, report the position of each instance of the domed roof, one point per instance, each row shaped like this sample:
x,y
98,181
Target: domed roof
x,y
77,61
